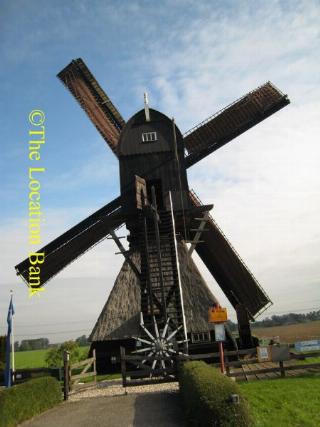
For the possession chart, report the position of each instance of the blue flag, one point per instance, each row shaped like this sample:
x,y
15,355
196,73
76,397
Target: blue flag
x,y
7,372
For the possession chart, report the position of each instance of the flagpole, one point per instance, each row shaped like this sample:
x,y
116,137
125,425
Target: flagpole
x,y
12,344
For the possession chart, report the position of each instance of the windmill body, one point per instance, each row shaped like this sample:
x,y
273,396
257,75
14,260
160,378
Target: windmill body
x,y
155,204
153,150
159,289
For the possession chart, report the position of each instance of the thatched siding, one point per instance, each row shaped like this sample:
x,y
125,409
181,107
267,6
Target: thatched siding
x,y
120,316
197,297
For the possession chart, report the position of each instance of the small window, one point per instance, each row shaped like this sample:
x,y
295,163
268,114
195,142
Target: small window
x,y
200,337
149,137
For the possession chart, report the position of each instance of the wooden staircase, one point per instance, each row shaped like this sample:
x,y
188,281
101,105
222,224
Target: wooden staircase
x,y
160,289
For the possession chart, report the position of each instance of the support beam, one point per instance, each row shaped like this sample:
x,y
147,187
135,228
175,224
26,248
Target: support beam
x,y
245,337
199,232
125,254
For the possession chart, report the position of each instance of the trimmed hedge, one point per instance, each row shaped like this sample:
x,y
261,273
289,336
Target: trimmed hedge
x,y
206,395
23,401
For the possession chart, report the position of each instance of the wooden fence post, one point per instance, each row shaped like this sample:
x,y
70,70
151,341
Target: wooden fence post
x,y
94,365
227,366
282,370
178,362
123,366
66,389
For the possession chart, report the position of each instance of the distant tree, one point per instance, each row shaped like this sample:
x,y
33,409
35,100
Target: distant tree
x,y
288,319
82,341
25,345
3,340
54,356
232,326
34,344
45,342
16,346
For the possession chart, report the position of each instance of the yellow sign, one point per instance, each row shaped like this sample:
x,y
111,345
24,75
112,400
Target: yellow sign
x,y
217,315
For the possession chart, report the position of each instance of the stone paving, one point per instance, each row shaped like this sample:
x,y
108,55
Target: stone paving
x,y
110,405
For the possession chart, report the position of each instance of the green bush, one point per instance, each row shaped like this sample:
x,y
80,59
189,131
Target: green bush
x,y
28,399
54,356
206,395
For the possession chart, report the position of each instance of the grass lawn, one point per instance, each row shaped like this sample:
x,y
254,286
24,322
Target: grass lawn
x,y
308,360
35,358
102,377
30,359
289,402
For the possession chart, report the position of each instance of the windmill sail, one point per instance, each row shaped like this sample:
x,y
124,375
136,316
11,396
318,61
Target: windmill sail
x,y
74,242
232,121
230,272
87,91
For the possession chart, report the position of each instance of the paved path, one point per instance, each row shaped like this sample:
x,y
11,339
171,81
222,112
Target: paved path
x,y
138,410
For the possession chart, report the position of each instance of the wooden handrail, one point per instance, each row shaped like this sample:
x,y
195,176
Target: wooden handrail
x,y
82,363
275,369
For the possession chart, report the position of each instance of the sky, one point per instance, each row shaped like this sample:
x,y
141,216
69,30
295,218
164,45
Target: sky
x,y
193,58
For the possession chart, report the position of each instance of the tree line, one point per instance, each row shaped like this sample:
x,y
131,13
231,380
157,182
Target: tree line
x,y
43,343
278,320
287,319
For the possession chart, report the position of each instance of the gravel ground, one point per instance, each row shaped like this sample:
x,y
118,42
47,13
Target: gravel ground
x,y
114,388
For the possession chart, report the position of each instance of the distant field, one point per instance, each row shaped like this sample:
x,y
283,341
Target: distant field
x,y
291,333
35,358
30,359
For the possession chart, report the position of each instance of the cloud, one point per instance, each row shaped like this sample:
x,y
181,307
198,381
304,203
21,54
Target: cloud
x,y
223,54
265,186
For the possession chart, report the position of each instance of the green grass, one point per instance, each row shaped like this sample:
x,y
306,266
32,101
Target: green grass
x,y
102,377
289,402
30,359
35,358
308,360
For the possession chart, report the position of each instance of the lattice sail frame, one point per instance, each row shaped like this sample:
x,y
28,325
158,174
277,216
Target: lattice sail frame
x,y
91,97
200,141
232,121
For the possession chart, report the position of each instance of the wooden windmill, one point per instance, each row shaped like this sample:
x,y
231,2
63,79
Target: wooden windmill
x,y
159,299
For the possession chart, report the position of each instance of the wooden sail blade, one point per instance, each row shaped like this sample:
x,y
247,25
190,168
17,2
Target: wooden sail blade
x,y
232,121
98,106
230,272
73,243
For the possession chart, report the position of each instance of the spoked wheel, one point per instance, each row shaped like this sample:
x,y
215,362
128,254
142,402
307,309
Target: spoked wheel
x,y
159,349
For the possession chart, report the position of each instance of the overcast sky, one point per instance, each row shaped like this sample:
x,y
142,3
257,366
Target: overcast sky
x,y
193,58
